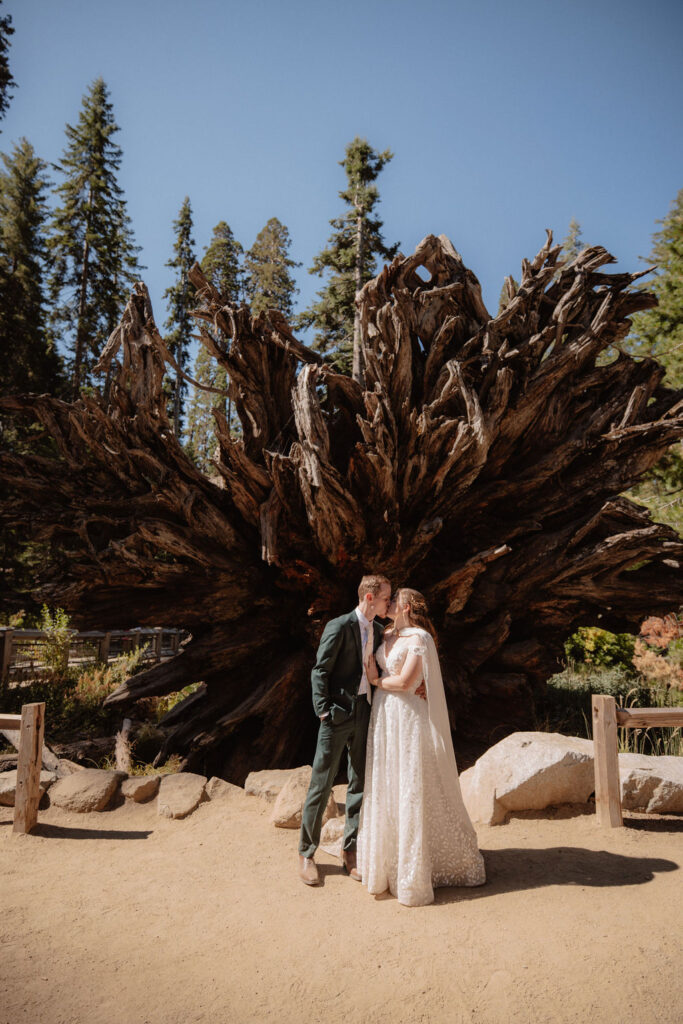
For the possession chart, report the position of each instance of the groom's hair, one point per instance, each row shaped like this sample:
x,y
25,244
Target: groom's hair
x,y
371,585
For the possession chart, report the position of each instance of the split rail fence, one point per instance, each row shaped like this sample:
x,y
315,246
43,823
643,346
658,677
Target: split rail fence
x,y
26,731
607,718
20,649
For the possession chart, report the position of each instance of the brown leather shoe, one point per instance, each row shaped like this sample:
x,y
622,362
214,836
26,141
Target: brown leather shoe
x,y
308,871
349,864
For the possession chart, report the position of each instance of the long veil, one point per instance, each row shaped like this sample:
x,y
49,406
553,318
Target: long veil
x,y
438,716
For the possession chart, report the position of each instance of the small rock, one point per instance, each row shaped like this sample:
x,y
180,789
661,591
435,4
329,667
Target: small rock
x,y
180,794
88,790
290,802
332,835
267,784
8,786
140,788
216,788
67,767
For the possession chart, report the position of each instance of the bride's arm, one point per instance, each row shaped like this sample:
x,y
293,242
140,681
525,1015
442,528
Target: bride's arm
x,y
410,674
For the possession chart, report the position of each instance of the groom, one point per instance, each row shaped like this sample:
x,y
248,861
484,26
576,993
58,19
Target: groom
x,y
341,698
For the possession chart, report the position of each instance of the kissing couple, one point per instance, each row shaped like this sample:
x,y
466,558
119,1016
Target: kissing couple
x,y
380,697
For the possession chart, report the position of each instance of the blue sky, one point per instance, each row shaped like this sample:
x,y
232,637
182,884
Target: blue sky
x,y
504,118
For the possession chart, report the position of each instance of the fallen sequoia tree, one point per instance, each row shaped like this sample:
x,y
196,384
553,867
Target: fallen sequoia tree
x,y
481,463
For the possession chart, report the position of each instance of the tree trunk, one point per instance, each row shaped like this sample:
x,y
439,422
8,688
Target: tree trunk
x,y
358,365
80,329
482,463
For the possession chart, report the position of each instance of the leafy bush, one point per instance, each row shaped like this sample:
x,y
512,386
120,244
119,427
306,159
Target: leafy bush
x,y
597,647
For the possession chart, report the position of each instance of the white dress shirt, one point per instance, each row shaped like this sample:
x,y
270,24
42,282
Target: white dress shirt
x,y
366,633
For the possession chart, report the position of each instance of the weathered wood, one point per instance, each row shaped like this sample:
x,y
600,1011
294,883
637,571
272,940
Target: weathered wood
x,y
103,648
27,795
639,718
606,759
6,637
122,746
482,461
10,722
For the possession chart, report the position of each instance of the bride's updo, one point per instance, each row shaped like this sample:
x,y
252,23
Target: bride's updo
x,y
419,612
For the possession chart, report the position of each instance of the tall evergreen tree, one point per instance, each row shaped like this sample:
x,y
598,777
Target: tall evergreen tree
x,y
267,265
350,258
94,256
573,244
221,266
30,362
180,296
6,80
659,331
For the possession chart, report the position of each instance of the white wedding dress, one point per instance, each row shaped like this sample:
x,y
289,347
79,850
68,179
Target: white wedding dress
x,y
415,833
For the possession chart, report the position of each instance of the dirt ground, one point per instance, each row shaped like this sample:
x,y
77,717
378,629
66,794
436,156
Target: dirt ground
x,y
130,918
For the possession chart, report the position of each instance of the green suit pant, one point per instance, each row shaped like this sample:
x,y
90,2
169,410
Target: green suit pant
x,y
333,740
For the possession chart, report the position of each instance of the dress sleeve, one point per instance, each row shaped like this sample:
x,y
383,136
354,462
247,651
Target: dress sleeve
x,y
417,648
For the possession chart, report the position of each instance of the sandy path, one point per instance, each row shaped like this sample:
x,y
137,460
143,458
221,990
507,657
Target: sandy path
x,y
130,918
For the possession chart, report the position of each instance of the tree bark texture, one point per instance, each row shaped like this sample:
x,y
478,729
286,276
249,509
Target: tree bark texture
x,y
482,463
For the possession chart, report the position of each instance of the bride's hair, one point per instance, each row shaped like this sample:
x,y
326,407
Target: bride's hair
x,y
419,612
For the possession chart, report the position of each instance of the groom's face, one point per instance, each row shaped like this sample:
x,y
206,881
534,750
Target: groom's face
x,y
382,601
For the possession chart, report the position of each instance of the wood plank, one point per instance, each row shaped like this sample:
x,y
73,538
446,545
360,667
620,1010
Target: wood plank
x,y
28,767
636,718
606,761
10,722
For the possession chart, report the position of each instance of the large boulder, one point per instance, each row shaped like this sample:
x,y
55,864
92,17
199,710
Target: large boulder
x,y
528,771
89,790
267,784
8,785
140,788
653,784
180,794
290,801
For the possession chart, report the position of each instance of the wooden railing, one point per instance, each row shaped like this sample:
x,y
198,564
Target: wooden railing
x,y
607,718
20,648
25,731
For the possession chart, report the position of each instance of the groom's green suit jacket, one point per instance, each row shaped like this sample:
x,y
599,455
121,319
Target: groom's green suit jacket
x,y
338,668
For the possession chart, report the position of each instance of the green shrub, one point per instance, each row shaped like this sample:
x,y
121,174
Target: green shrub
x,y
597,647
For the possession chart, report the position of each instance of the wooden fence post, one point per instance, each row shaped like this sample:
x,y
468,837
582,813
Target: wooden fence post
x,y
29,764
157,643
103,648
5,652
606,756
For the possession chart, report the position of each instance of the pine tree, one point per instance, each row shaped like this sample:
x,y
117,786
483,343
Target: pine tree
x,y
659,331
350,258
267,265
180,297
6,80
30,362
572,244
221,266
93,252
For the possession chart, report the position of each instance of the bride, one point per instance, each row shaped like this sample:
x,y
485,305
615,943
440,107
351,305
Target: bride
x,y
415,833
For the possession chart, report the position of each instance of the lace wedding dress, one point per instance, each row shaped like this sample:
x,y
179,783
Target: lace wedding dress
x,y
415,833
